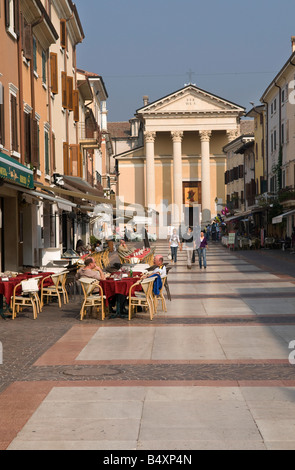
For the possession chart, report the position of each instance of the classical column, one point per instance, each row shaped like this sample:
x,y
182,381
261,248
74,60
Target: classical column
x,y
150,167
206,180
177,176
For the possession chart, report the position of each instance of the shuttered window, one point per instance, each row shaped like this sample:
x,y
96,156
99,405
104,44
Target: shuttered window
x,y
80,164
64,89
63,34
70,93
35,54
27,44
53,152
76,105
11,15
28,146
74,160
44,67
14,133
2,127
54,73
35,152
66,158
46,148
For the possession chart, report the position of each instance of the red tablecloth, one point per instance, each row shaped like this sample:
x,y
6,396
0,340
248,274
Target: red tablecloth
x,y
111,287
136,254
6,287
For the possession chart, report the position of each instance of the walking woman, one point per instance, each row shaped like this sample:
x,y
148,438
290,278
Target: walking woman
x,y
189,246
202,251
174,244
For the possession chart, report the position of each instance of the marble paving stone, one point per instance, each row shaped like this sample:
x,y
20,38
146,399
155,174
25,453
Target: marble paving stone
x,y
119,343
184,307
271,306
185,343
73,445
226,307
199,444
252,342
210,418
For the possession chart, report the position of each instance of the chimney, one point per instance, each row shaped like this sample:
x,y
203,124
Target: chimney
x,y
293,43
146,98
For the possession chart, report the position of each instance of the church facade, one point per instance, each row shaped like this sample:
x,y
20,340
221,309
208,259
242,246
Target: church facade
x,y
180,163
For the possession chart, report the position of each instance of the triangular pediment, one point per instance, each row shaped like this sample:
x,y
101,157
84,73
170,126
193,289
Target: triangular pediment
x,y
190,99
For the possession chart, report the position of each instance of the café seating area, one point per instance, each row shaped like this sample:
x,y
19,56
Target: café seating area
x,y
38,287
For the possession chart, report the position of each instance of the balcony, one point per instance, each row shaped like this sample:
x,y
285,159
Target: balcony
x,y
286,197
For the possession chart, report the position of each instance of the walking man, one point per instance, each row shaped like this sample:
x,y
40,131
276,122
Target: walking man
x,y
202,251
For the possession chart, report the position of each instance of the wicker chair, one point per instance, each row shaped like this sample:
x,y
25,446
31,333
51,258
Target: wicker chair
x,y
52,290
160,297
28,298
90,299
142,299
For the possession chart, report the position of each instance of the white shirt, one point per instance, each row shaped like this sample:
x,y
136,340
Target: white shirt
x,y
161,270
174,240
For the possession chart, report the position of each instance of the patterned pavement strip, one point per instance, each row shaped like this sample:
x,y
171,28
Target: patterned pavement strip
x,y
25,342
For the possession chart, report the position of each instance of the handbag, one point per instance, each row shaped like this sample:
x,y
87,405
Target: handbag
x,y
169,257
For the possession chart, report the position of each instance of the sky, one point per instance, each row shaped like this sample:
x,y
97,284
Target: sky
x,y
230,48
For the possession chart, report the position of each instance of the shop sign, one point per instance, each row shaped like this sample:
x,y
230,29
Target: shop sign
x,y
15,172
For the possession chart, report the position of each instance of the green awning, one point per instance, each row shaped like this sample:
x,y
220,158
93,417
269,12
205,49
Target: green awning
x,y
14,171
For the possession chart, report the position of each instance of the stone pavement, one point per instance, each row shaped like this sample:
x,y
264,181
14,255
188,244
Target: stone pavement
x,y
213,372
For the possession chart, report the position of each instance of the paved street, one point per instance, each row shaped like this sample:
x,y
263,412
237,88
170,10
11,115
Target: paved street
x,y
210,373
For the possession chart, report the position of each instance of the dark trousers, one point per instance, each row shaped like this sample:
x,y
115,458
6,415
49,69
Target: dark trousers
x,y
174,253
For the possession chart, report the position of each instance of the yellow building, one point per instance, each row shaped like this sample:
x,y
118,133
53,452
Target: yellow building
x,y
181,164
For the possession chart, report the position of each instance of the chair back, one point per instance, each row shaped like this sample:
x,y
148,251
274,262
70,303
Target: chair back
x,y
63,277
30,285
55,279
88,285
147,285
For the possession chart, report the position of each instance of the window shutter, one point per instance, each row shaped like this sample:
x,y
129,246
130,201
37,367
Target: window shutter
x,y
64,89
54,73
53,152
47,164
27,120
66,158
63,34
80,164
74,159
16,16
14,134
76,105
70,93
2,128
7,14
35,142
28,43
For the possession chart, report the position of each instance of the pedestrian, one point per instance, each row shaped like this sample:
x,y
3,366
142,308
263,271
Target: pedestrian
x,y
189,246
213,232
202,251
174,245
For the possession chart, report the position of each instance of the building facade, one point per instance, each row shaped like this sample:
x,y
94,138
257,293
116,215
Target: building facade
x,y
181,164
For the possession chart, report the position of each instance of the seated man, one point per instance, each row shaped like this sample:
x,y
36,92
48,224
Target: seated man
x,y
159,271
90,269
160,268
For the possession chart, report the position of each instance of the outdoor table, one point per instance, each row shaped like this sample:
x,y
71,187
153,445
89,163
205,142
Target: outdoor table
x,y
119,288
138,254
7,287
